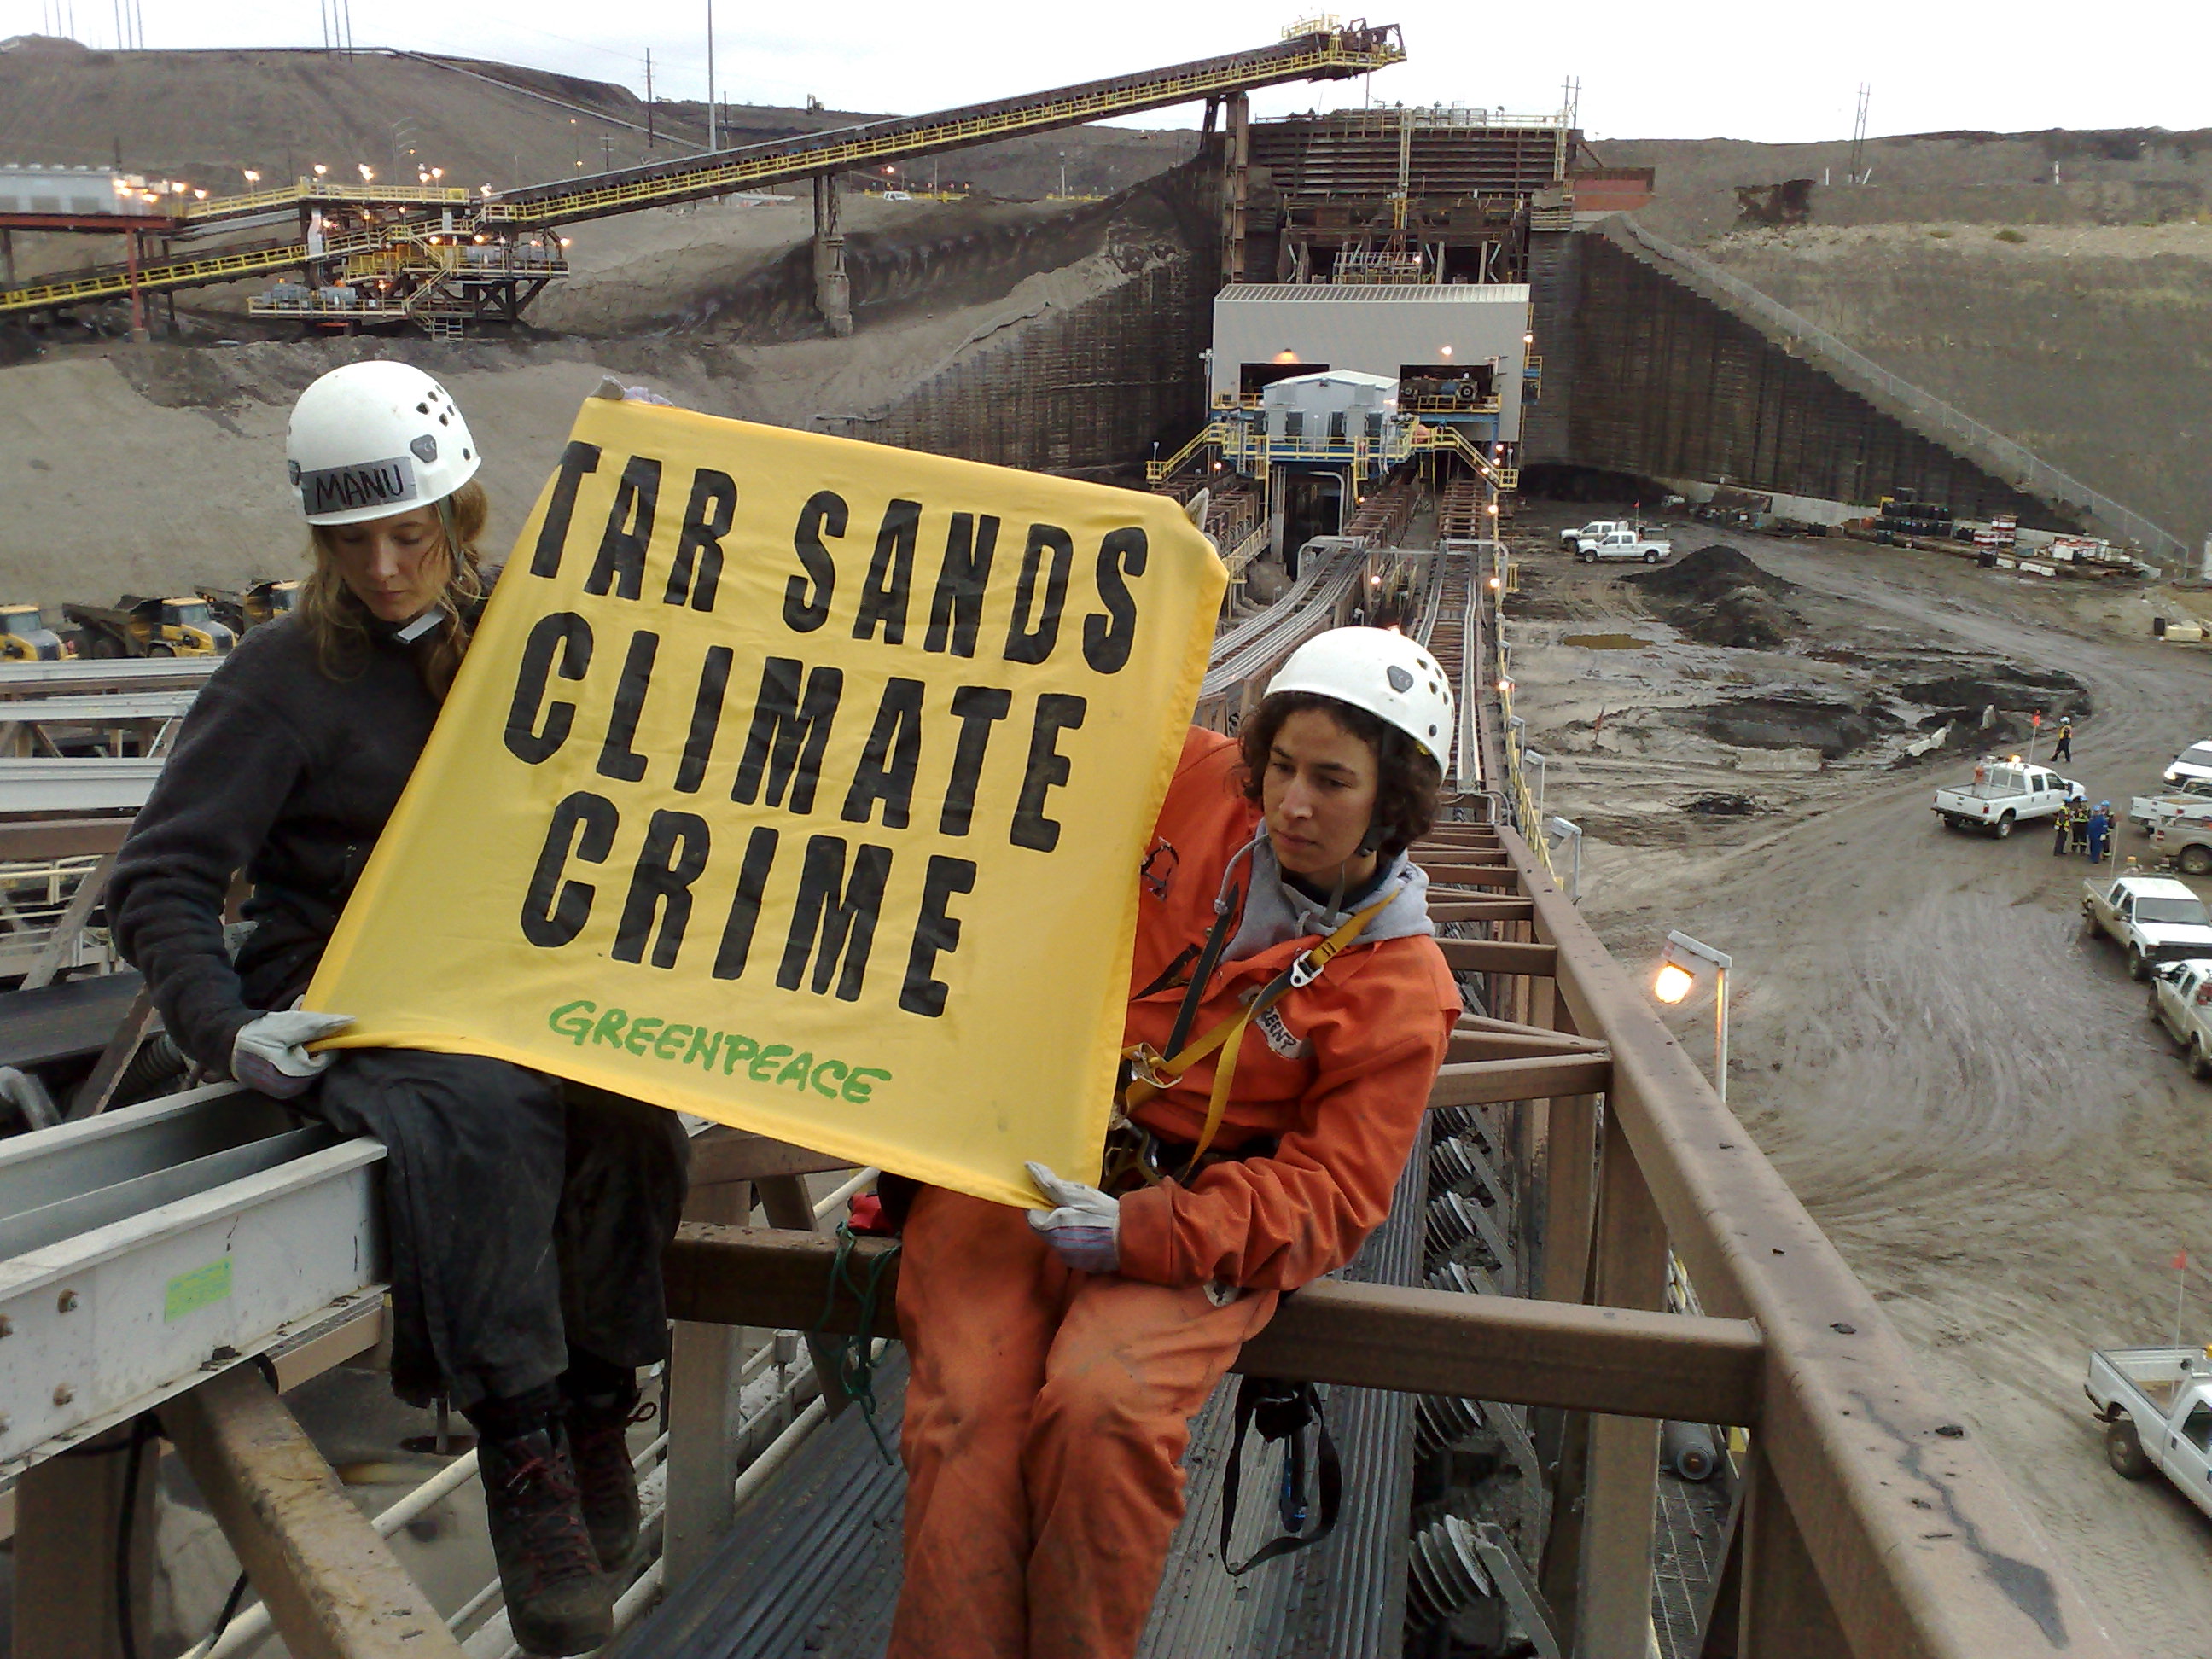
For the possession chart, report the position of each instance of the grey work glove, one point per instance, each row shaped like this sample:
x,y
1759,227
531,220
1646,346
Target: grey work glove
x,y
1084,1226
269,1054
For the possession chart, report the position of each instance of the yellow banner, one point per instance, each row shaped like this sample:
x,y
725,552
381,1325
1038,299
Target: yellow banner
x,y
801,784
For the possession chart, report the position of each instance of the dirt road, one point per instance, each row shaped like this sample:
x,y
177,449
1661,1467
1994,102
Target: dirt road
x,y
1959,1082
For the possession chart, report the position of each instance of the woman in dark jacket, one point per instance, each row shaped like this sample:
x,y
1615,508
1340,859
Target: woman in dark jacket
x,y
525,1231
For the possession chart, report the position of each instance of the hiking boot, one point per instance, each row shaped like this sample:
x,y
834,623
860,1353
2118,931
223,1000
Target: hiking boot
x,y
557,1601
598,1446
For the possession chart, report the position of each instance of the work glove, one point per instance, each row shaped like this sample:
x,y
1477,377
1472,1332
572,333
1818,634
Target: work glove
x,y
1084,1229
270,1053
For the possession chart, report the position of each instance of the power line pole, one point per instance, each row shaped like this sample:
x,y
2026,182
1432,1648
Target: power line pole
x,y
1856,174
714,133
649,100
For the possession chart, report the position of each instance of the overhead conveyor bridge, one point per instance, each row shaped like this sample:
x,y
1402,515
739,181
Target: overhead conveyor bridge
x,y
417,213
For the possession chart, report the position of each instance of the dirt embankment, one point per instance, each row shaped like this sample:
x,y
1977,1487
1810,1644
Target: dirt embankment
x,y
2091,346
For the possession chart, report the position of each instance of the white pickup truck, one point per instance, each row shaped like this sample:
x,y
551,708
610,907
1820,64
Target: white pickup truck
x,y
2181,1001
2003,795
2154,919
1623,544
2194,762
2147,812
1571,539
2156,1407
2186,839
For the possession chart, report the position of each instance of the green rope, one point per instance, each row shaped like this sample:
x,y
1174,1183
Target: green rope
x,y
856,1354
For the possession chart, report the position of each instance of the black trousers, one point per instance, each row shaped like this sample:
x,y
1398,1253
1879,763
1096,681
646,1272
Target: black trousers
x,y
521,1222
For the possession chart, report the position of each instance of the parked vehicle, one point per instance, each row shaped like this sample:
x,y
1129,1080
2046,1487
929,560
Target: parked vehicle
x,y
1571,539
1623,544
2156,1407
2002,795
2185,839
2194,762
2181,1001
2147,812
263,602
25,637
2154,919
139,626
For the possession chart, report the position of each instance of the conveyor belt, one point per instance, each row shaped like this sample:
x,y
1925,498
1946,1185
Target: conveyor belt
x,y
1324,55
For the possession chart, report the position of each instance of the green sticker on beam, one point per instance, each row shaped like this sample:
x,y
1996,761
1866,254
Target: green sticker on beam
x,y
203,1287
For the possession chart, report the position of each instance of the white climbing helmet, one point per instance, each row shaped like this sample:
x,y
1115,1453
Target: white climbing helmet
x,y
369,440
1382,672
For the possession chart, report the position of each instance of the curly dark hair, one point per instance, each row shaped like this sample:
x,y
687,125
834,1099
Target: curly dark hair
x,y
1407,781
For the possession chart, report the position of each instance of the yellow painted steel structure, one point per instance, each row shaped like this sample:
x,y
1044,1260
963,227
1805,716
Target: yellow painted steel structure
x,y
1331,55
1319,56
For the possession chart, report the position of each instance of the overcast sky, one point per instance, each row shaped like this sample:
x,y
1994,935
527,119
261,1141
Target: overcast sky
x,y
1681,68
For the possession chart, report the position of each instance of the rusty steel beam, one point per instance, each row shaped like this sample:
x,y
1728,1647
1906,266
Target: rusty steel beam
x,y
1512,1045
1481,910
722,1154
60,838
1498,956
1491,1082
1377,1336
1922,1548
1473,875
332,1587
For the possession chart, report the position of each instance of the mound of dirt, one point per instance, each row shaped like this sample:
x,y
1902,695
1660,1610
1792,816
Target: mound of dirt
x,y
1716,596
1703,576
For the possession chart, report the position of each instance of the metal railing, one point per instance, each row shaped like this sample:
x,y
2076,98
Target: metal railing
x,y
2028,472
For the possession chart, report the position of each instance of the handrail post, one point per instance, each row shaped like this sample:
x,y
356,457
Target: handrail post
x,y
1630,1271
1783,1611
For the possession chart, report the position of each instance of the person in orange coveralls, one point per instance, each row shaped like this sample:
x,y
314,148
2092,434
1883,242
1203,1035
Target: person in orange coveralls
x,y
1059,1355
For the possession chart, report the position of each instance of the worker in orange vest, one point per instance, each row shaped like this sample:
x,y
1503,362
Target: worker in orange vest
x,y
1288,1010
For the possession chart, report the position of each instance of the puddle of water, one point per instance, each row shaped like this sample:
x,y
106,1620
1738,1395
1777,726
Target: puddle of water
x,y
1607,641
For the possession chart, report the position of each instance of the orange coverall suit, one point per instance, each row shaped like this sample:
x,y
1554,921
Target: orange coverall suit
x,y
1049,1409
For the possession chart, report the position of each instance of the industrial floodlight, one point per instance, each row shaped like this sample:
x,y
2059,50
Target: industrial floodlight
x,y
1685,965
1559,832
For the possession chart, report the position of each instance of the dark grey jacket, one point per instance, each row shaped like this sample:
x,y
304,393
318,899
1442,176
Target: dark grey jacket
x,y
287,774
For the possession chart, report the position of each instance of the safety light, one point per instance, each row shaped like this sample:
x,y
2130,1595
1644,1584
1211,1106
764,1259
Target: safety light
x,y
1687,965
368,173
1446,350
320,169
1493,509
1505,686
251,177
1494,584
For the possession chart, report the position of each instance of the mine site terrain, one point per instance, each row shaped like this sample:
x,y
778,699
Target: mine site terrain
x,y
1954,1074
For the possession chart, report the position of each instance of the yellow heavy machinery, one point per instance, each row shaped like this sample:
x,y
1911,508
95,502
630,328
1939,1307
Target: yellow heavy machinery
x,y
265,601
137,627
25,637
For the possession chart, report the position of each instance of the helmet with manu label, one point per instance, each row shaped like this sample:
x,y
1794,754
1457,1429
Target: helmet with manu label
x,y
1381,671
369,440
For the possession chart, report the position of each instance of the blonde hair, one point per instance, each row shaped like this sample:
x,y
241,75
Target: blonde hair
x,y
338,622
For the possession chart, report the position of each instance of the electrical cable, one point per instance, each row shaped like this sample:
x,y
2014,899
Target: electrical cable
x,y
141,1431
229,1610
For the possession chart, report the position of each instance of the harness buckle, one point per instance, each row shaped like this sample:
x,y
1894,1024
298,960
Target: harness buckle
x,y
1304,970
1146,1063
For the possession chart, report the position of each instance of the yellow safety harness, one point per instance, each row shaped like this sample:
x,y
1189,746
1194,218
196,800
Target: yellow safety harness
x,y
1150,1073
